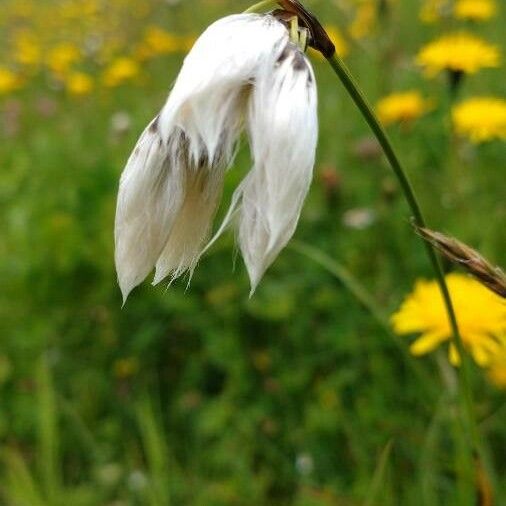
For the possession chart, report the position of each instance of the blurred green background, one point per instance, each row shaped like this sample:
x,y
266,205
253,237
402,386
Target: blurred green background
x,y
202,396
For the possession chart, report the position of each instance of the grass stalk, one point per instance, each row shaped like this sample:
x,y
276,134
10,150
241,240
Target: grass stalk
x,y
468,422
48,443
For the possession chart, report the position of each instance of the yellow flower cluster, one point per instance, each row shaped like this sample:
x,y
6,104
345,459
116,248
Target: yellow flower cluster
x,y
402,107
481,316
458,52
481,119
80,44
475,10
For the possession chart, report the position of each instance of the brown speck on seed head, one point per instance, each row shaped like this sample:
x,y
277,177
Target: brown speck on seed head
x,y
153,128
299,62
285,54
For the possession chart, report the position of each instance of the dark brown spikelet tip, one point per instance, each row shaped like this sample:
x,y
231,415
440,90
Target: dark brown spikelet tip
x,y
468,258
319,37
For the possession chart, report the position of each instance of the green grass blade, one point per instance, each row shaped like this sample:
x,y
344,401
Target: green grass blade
x,y
379,476
19,487
156,453
48,451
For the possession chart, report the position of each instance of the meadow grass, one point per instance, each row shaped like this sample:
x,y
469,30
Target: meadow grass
x,y
299,396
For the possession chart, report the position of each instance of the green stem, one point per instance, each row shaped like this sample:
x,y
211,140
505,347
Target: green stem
x,y
262,6
360,101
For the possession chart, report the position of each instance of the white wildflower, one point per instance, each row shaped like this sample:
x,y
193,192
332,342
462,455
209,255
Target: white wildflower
x,y
243,67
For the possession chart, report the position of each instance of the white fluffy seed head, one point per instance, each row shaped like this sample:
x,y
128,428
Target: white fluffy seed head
x,y
150,195
207,96
172,183
283,130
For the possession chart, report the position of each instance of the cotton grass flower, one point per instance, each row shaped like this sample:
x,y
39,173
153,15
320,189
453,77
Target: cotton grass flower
x,y
481,315
481,119
243,71
458,52
475,10
403,107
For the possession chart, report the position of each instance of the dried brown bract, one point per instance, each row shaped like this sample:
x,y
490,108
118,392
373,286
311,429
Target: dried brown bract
x,y
319,37
473,262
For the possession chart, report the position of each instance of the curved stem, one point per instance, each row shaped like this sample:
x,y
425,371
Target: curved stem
x,y
360,101
262,6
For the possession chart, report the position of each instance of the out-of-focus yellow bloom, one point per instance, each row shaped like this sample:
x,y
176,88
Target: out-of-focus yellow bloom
x,y
475,10
481,315
161,42
481,119
364,21
434,10
458,52
120,71
342,48
9,81
79,83
61,57
27,50
402,107
497,370
157,41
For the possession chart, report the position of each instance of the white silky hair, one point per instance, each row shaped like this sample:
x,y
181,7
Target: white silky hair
x,y
171,186
283,130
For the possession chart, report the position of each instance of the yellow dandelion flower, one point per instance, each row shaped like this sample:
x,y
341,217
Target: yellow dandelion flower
x,y
458,52
27,50
337,38
61,57
481,315
79,84
481,119
161,42
497,369
475,10
402,107
9,81
120,71
364,21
